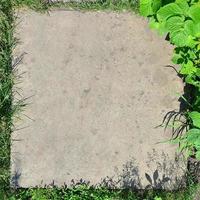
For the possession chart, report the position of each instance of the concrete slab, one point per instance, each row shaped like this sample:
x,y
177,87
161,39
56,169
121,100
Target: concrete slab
x,y
98,88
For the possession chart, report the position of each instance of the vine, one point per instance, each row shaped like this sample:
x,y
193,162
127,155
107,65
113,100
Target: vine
x,y
179,20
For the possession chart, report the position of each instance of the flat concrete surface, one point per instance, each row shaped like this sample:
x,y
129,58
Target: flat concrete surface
x,y
97,88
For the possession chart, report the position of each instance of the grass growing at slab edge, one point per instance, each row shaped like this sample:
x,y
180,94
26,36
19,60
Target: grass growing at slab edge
x,y
6,82
8,109
114,5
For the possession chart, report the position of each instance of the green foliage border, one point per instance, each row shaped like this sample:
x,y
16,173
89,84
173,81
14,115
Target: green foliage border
x,y
179,21
8,109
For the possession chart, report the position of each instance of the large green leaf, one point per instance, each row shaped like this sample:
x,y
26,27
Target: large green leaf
x,y
182,38
195,116
149,7
179,38
175,23
189,27
183,5
192,28
168,11
145,8
194,12
156,4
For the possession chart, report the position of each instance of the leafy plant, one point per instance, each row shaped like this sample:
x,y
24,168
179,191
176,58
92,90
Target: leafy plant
x,y
179,20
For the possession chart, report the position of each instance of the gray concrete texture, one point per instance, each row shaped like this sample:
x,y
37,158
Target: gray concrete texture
x,y
97,87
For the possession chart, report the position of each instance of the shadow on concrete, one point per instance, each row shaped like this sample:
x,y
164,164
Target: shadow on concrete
x,y
168,175
15,179
155,181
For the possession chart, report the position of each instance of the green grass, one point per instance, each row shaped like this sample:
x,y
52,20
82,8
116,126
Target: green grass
x,y
86,193
119,5
8,109
114,5
38,5
7,43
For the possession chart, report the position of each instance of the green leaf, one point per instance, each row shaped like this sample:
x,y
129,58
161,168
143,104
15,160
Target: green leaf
x,y
146,8
189,27
193,135
168,11
190,79
192,28
194,13
195,116
177,59
192,54
198,72
179,38
197,29
183,5
198,155
188,68
191,42
153,24
160,27
149,7
175,23
156,4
